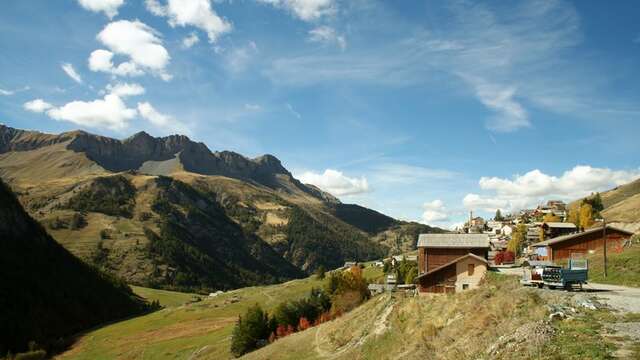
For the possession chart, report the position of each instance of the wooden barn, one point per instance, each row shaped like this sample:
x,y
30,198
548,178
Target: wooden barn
x,y
562,247
435,250
462,273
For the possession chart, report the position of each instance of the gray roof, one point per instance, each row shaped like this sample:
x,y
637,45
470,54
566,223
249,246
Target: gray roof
x,y
562,238
561,225
453,240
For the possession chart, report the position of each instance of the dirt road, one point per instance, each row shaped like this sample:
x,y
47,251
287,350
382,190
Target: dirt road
x,y
622,298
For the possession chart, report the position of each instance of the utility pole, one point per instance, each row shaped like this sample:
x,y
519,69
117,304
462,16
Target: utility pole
x,y
604,236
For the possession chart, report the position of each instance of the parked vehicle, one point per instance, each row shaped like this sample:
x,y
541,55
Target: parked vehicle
x,y
532,272
576,274
554,276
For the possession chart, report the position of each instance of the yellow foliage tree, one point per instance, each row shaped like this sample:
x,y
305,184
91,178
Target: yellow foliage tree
x,y
586,216
517,239
550,218
574,215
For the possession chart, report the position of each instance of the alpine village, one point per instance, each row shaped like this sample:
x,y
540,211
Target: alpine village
x,y
429,198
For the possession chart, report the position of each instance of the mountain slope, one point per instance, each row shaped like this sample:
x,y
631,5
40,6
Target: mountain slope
x,y
167,212
46,293
622,204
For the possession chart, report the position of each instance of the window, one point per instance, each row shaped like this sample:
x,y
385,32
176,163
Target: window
x,y
465,286
470,269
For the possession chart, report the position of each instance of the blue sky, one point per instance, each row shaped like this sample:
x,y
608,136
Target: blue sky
x,y
423,110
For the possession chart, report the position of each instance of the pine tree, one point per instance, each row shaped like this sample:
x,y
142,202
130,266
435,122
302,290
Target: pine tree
x,y
498,216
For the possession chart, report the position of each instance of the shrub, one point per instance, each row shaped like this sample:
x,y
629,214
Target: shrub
x,y
320,272
251,331
77,222
509,257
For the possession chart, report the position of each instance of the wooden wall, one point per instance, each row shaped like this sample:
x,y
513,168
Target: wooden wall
x,y
436,257
443,281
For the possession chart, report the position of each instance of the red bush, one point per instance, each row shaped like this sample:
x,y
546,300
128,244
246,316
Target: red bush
x,y
499,258
303,324
509,257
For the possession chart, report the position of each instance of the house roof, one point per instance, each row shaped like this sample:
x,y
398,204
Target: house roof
x,y
451,263
561,225
562,238
453,240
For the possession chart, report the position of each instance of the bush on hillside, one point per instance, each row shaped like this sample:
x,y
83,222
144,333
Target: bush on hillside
x,y
251,331
77,221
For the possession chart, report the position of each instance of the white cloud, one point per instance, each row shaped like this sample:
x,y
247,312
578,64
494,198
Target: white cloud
x,y
100,60
528,190
110,112
327,35
148,112
198,13
71,72
125,89
307,10
190,40
434,211
335,182
109,7
136,40
160,120
239,58
37,105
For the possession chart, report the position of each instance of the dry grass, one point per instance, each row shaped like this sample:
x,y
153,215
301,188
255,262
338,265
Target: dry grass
x,y
460,326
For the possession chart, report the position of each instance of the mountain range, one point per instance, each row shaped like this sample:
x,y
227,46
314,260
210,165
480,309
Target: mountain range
x,y
167,212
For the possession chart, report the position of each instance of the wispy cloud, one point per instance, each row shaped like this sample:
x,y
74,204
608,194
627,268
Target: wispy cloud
x,y
507,57
238,58
327,35
9,92
292,111
71,72
398,173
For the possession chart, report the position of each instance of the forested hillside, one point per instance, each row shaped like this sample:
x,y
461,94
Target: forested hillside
x,y
47,294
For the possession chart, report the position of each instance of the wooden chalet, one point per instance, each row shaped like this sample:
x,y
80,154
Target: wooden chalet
x,y
562,247
435,250
437,255
555,229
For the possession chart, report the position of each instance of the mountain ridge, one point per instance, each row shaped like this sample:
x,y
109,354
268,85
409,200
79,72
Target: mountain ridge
x,y
105,201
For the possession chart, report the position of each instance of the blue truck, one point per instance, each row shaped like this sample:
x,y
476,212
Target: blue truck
x,y
553,276
576,273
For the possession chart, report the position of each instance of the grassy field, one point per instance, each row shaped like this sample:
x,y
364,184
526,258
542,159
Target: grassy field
x,y
166,298
195,330
623,267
